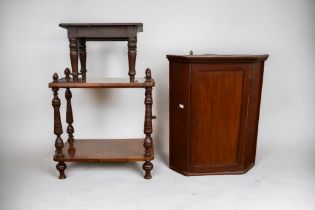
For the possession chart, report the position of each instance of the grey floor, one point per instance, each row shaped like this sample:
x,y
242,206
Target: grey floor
x,y
283,178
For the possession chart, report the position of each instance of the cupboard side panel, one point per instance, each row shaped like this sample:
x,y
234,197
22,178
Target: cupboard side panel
x,y
179,115
253,113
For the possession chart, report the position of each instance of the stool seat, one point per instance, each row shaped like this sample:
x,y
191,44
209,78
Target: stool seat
x,y
79,33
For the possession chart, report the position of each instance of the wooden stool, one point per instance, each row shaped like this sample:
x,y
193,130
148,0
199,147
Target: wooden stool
x,y
79,33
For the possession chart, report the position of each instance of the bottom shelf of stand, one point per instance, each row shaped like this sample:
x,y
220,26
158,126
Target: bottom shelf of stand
x,y
105,150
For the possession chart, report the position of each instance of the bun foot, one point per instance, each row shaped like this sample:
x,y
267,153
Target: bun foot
x,y
147,167
61,167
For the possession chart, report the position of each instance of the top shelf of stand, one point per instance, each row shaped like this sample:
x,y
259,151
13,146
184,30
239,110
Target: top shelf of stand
x,y
101,83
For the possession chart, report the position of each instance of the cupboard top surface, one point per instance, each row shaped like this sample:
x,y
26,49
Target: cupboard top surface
x,y
218,58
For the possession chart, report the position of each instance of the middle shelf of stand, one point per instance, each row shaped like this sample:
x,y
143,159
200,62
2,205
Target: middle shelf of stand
x,y
101,83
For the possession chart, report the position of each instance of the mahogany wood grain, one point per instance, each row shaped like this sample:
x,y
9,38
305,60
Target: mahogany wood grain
x,y
218,96
102,31
215,58
59,156
179,116
132,55
105,150
73,45
148,142
82,51
112,150
102,83
69,116
79,33
214,112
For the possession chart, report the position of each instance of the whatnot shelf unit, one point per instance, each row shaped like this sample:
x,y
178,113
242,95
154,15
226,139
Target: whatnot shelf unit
x,y
101,150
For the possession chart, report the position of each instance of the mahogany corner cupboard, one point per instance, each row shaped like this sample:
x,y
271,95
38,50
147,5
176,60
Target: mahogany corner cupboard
x,y
214,112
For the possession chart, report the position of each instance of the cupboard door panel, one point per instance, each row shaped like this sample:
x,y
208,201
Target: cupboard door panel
x,y
218,92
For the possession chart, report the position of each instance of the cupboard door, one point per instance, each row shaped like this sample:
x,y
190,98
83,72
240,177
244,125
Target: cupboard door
x,y
218,111
179,115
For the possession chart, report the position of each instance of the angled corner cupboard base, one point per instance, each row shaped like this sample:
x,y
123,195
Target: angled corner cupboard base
x,y
214,112
101,150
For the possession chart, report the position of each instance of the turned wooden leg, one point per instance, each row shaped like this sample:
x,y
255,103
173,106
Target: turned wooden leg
x,y
132,54
74,58
82,52
148,166
61,166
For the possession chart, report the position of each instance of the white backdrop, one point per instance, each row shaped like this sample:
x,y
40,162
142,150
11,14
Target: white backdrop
x,y
33,47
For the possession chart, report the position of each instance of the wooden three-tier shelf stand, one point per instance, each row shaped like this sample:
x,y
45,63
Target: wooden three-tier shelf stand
x,y
101,150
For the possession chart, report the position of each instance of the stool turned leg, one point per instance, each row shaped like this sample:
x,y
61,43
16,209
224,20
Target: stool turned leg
x,y
74,58
61,166
132,54
82,52
148,166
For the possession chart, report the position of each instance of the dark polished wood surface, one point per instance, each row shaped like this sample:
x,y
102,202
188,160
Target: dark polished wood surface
x,y
215,124
79,33
105,150
91,150
59,156
214,112
179,93
67,25
218,58
102,83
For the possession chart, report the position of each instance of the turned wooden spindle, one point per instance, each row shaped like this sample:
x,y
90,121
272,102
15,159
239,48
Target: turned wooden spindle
x,y
69,116
71,150
82,53
67,73
148,122
132,54
148,166
61,166
74,58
